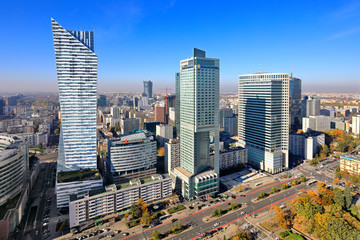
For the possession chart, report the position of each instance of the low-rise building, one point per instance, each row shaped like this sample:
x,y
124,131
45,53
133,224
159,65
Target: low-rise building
x,y
127,125
231,158
78,182
115,198
350,163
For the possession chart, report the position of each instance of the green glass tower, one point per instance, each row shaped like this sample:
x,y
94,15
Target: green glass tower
x,y
199,122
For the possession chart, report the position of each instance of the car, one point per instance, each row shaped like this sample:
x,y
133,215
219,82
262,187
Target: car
x,y
117,231
216,224
233,196
242,213
174,220
125,233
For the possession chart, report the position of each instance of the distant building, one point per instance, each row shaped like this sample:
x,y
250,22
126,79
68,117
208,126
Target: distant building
x,y
151,126
2,106
224,112
305,145
160,114
264,119
148,87
131,156
295,103
172,114
102,101
356,125
172,155
164,133
316,123
338,124
11,101
310,106
231,125
115,112
232,158
13,166
350,163
114,198
127,125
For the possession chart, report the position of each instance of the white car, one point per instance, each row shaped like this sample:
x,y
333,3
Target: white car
x,y
216,224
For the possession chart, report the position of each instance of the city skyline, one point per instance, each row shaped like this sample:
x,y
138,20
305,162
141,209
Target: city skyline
x,y
133,42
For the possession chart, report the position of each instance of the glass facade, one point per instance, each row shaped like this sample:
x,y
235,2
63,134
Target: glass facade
x,y
263,120
76,66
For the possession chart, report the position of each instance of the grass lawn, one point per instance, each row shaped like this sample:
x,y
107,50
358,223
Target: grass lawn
x,y
176,209
133,223
269,226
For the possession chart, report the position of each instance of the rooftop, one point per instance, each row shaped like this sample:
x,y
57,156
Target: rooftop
x,y
78,175
351,157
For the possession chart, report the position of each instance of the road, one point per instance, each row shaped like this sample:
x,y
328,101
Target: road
x,y
196,219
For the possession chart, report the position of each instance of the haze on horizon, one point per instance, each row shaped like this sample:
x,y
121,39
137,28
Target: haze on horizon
x,y
139,40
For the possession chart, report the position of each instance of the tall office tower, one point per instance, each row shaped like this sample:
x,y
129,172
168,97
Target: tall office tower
x,y
102,101
76,66
177,103
148,88
295,103
310,106
264,119
199,119
2,105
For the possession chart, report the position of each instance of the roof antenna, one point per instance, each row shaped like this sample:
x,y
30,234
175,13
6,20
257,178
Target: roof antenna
x,y
259,66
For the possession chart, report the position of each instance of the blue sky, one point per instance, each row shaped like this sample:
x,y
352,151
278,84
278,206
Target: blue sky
x,y
140,40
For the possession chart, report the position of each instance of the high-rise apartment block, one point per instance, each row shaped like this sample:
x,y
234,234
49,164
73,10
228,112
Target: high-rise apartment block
x,y
295,103
160,114
148,85
128,125
172,155
199,119
356,125
310,106
264,119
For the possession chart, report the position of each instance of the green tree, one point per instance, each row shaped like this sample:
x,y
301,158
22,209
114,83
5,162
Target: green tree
x,y
295,182
339,198
342,146
274,190
262,195
348,197
326,150
303,179
156,234
217,212
285,186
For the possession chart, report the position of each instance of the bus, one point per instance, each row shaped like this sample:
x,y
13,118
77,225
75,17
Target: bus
x,y
311,182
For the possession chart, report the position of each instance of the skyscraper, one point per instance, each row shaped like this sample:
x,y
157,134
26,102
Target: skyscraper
x,y
148,88
264,119
76,66
177,103
295,103
199,119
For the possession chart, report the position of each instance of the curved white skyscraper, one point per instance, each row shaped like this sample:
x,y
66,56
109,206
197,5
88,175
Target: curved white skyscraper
x,y
76,66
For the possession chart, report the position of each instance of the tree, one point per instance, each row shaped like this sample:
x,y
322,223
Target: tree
x,y
145,218
342,146
348,197
40,146
217,212
303,179
280,217
262,195
326,150
336,181
285,186
295,182
156,234
126,215
161,152
57,131
339,198
274,190
240,188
